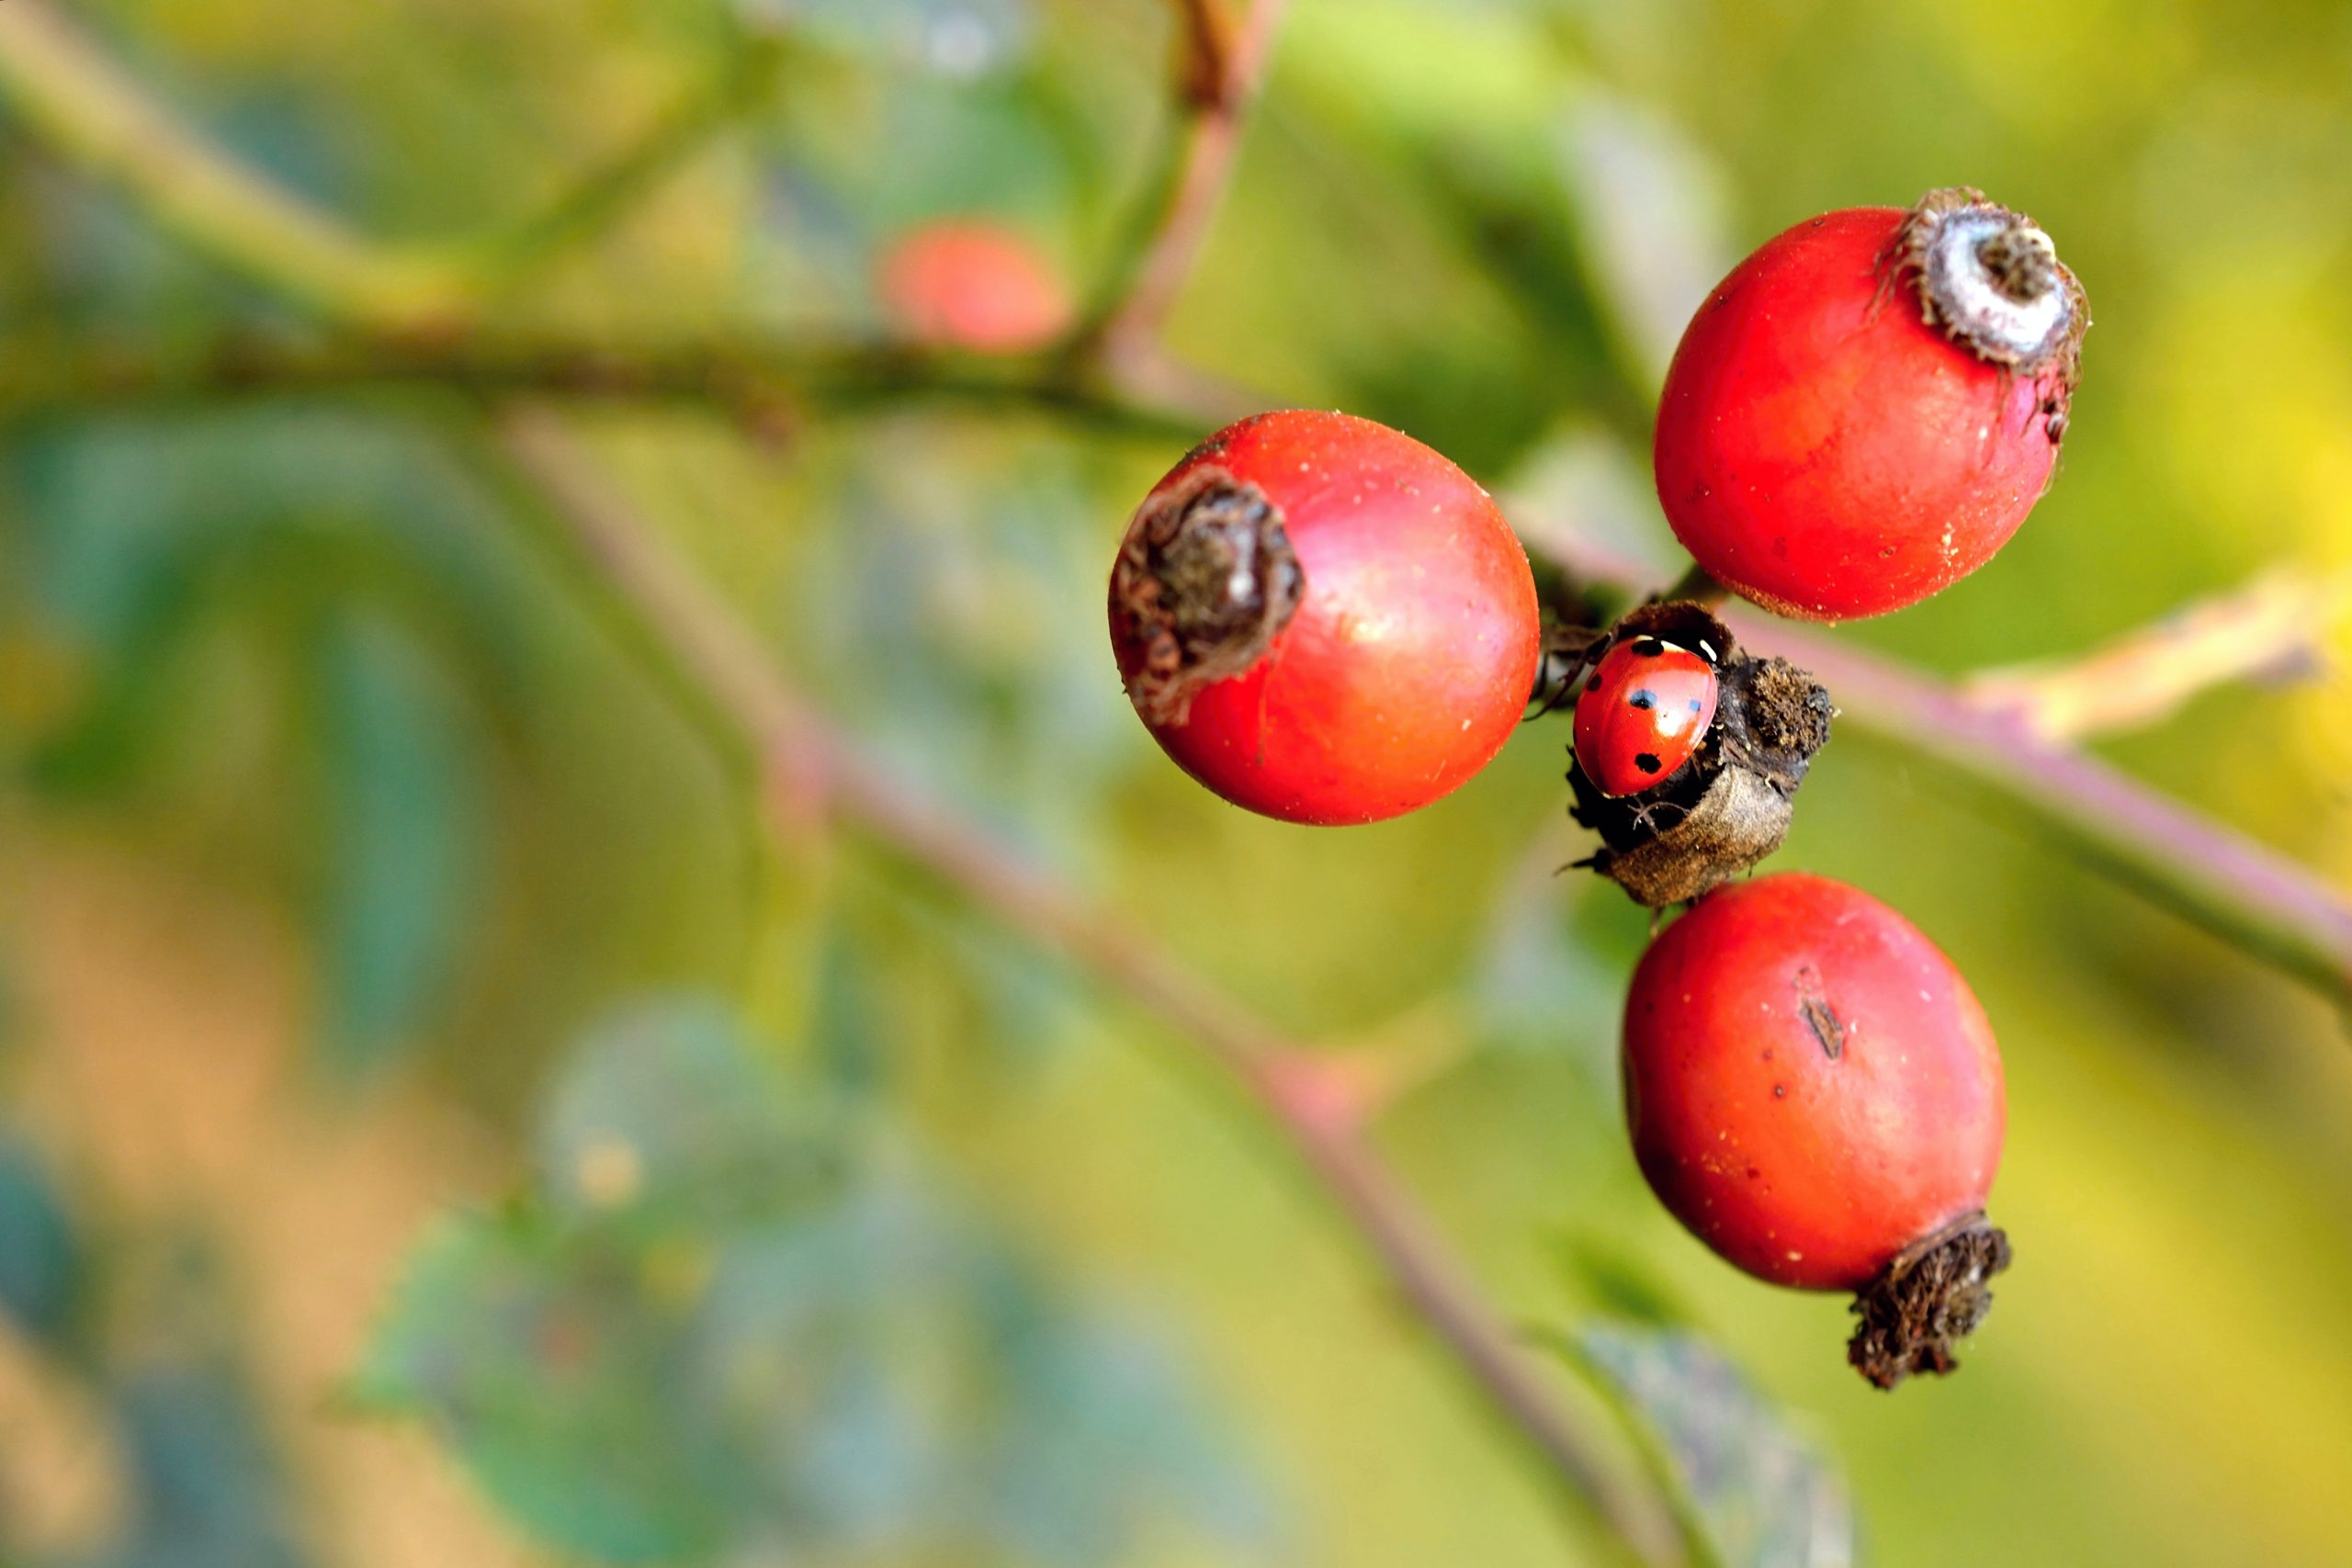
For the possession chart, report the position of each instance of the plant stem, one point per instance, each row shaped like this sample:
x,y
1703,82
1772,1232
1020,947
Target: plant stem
x,y
2273,629
1146,278
766,386
2237,889
2241,891
1205,69
2248,893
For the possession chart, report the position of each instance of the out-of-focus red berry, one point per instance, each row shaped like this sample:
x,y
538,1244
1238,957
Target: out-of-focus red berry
x,y
975,286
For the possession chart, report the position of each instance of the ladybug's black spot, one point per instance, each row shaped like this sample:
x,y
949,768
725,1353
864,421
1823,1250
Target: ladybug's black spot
x,y
1647,762
1644,699
1698,706
1592,685
1649,648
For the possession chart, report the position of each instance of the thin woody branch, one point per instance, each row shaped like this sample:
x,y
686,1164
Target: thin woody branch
x,y
1208,40
765,386
2273,629
2219,879
2240,890
1146,278
2211,875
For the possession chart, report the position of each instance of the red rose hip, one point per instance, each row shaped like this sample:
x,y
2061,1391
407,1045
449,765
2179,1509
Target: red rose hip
x,y
972,285
1814,1093
1867,408
1323,620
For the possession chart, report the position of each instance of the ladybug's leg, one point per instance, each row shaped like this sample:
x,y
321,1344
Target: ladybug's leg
x,y
1568,653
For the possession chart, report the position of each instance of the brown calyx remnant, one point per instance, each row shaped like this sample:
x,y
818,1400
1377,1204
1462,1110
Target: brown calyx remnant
x,y
1204,581
1729,806
1936,1291
1989,278
2020,263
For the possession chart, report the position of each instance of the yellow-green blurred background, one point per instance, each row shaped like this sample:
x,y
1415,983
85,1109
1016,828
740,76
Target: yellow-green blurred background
x,y
338,814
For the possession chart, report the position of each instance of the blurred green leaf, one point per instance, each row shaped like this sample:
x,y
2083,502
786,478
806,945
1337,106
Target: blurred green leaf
x,y
1027,998
1099,1432
405,838
107,270
1650,209
667,1109
537,1357
1619,1284
128,518
206,1490
990,686
41,1256
685,1347
1590,485
845,1034
1751,1493
1537,989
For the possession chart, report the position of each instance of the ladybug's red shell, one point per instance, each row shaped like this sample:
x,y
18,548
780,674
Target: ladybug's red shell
x,y
1641,714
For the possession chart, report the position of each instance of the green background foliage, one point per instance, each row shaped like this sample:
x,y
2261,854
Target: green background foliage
x,y
419,1066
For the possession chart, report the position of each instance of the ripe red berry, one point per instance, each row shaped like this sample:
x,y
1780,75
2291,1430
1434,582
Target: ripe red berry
x,y
1813,1091
975,286
1641,714
1323,620
1867,408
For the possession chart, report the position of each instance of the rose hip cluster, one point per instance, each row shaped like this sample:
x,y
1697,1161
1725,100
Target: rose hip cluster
x,y
1324,621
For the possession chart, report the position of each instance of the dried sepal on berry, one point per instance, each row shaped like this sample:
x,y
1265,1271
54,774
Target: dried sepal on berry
x,y
1934,1293
1204,581
1989,278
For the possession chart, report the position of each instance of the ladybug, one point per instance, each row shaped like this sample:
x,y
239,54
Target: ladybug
x,y
1641,714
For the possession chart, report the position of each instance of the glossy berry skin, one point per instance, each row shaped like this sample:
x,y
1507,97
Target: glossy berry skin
x,y
973,285
1413,648
1810,1084
1641,714
1827,454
